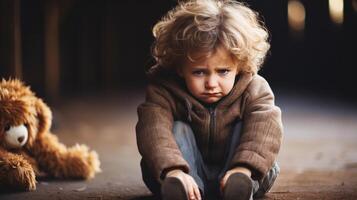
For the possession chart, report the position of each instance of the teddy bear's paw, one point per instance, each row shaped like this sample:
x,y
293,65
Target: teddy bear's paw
x,y
94,162
80,149
85,163
29,180
17,173
22,177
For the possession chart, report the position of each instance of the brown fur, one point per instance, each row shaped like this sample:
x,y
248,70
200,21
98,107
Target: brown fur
x,y
43,151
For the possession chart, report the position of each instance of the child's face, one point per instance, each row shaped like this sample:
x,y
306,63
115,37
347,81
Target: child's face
x,y
210,78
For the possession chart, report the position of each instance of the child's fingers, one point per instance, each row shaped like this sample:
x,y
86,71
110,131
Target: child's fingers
x,y
191,193
191,187
197,192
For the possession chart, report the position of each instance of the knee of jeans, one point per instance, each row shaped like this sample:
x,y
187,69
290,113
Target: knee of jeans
x,y
181,129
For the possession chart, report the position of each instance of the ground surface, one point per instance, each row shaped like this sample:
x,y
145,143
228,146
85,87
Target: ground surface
x,y
318,157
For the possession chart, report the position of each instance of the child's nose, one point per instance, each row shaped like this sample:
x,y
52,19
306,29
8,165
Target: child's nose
x,y
211,82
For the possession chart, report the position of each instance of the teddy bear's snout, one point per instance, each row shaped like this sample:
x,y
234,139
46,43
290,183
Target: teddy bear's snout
x,y
20,139
16,136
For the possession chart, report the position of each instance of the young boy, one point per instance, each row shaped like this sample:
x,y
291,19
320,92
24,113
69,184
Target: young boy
x,y
209,125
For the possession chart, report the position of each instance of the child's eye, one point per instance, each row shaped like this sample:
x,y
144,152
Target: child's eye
x,y
223,71
198,73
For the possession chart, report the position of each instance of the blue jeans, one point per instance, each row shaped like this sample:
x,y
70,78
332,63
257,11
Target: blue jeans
x,y
207,176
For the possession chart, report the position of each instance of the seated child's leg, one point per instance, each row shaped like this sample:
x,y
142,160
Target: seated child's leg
x,y
238,180
234,141
186,141
259,189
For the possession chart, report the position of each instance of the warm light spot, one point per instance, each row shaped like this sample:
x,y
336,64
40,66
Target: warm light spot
x,y
354,5
296,15
336,11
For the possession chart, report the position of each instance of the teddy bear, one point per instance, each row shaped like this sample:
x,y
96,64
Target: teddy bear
x,y
27,146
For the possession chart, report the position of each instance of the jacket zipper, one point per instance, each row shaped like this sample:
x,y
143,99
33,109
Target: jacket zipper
x,y
212,128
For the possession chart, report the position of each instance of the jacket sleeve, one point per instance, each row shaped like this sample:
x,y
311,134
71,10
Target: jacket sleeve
x,y
262,130
155,139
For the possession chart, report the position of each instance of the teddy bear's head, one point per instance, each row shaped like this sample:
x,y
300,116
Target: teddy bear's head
x,y
23,116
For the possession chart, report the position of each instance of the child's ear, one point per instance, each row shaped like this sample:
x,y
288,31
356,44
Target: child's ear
x,y
44,116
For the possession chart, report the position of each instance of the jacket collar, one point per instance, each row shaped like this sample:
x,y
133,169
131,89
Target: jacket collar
x,y
237,90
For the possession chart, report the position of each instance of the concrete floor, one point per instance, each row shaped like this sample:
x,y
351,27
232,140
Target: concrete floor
x,y
318,157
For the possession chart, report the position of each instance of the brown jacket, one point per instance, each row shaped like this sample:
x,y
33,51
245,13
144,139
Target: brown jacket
x,y
251,100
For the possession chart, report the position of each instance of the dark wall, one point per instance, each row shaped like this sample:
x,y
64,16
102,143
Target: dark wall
x,y
5,43
32,29
322,59
107,43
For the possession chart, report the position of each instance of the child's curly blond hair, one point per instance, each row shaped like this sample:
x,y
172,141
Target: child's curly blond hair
x,y
203,26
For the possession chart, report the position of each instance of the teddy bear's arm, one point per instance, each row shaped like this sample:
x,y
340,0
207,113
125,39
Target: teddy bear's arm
x,y
16,172
62,162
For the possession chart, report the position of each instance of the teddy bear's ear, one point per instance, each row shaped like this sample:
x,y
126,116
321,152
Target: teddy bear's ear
x,y
44,116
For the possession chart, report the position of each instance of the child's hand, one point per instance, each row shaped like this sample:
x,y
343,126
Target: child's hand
x,y
188,182
232,171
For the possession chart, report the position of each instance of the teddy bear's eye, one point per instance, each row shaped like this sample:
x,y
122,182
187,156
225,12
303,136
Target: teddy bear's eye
x,y
7,127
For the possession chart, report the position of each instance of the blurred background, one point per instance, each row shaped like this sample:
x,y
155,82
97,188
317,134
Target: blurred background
x,y
87,59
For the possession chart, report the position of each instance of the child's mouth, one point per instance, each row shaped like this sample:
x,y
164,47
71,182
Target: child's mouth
x,y
217,94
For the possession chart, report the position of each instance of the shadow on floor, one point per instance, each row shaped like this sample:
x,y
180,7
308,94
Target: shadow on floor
x,y
145,198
